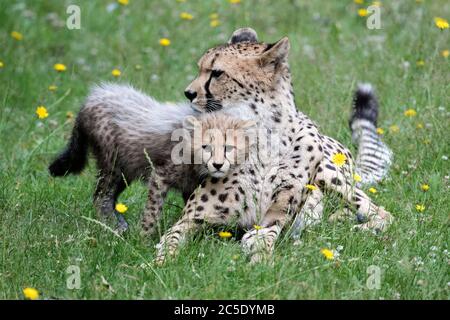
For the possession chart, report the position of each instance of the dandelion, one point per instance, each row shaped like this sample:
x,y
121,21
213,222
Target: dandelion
x,y
41,112
445,53
257,227
30,293
234,1
441,23
394,128
60,67
339,159
121,208
164,42
186,16
1,64
380,131
52,87
327,253
357,177
420,63
116,73
425,187
225,234
419,125
214,16
17,35
363,12
311,187
214,23
373,190
123,2
420,207
410,113
69,114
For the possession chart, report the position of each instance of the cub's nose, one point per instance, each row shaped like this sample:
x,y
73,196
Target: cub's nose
x,y
217,165
190,95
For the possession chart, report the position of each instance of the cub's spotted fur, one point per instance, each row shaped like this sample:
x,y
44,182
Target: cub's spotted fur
x,y
130,134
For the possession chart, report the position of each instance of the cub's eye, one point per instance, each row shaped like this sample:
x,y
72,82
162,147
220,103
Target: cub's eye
x,y
206,147
229,148
216,73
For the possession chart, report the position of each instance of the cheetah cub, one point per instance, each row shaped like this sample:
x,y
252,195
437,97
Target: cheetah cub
x,y
128,145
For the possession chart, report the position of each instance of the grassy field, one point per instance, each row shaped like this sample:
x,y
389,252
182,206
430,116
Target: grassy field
x,y
48,224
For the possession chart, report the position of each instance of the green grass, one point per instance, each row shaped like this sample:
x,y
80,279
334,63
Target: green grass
x,y
46,224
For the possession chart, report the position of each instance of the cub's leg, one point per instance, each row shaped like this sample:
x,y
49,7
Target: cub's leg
x,y
337,180
108,189
157,191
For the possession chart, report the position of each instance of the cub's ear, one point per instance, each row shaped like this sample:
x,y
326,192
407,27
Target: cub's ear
x,y
190,123
243,34
276,53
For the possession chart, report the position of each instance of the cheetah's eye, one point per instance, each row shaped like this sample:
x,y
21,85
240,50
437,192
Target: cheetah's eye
x,y
229,148
216,73
206,147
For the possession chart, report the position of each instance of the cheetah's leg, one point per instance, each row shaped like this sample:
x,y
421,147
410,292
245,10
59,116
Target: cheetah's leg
x,y
310,214
377,218
108,189
157,191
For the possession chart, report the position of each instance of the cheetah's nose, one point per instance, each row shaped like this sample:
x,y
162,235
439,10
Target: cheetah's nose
x,y
190,95
217,165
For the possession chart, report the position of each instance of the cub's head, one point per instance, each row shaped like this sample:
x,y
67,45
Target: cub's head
x,y
220,142
238,72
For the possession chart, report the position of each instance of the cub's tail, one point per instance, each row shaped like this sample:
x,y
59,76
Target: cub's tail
x,y
74,158
374,156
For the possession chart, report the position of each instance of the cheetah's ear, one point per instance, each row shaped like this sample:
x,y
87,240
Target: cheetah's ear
x,y
243,34
190,123
276,53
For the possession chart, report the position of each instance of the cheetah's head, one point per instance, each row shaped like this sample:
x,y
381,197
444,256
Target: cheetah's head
x,y
220,142
240,71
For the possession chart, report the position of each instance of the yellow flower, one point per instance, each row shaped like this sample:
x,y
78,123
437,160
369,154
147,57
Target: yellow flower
x,y
41,112
31,293
164,42
123,2
327,253
441,23
186,16
256,227
357,177
234,1
419,125
358,1
380,131
311,187
410,113
425,187
225,234
445,53
214,16
363,12
121,208
373,190
17,35
339,159
420,63
1,64
60,67
69,114
420,207
394,128
116,73
214,23
52,87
